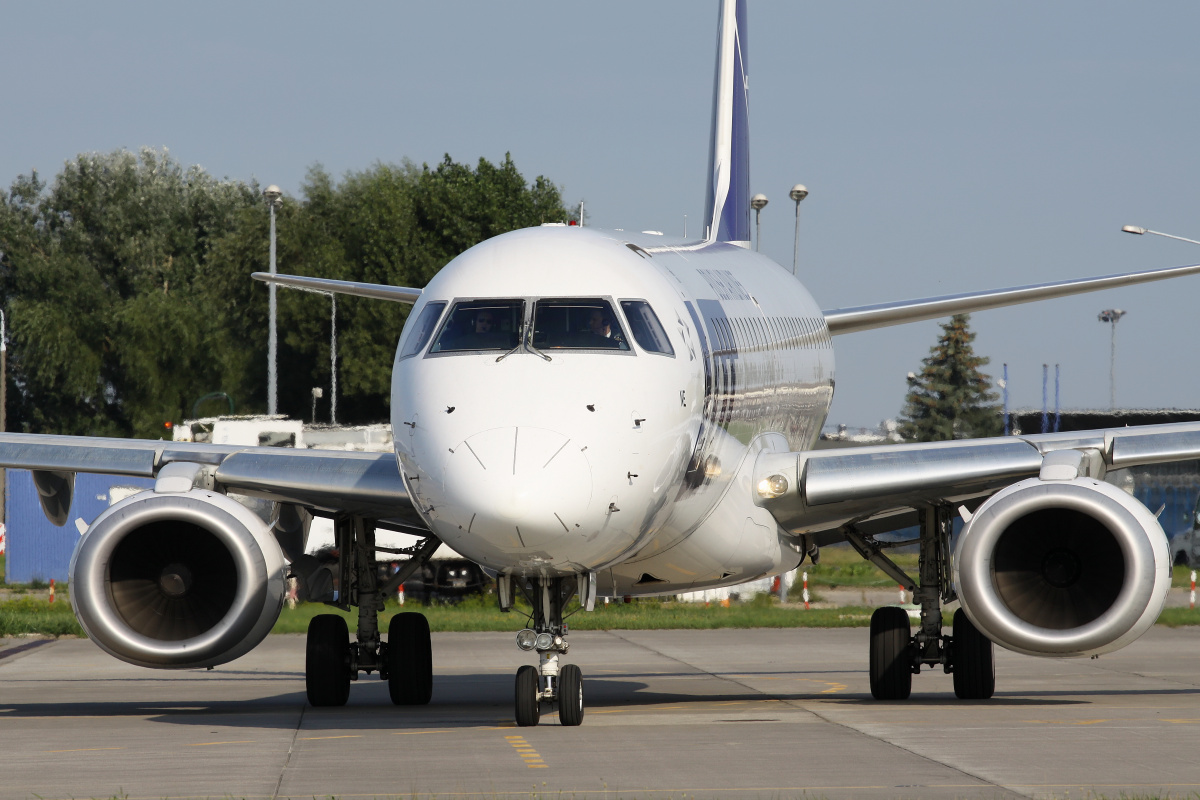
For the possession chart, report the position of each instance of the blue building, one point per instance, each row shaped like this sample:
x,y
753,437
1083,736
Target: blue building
x,y
38,549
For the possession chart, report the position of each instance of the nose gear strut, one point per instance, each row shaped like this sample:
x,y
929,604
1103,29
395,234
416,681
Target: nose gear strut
x,y
549,685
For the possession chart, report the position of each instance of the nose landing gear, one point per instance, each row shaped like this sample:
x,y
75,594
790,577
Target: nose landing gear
x,y
549,685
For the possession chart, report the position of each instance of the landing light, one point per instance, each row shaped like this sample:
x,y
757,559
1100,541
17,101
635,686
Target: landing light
x,y
526,639
544,641
772,487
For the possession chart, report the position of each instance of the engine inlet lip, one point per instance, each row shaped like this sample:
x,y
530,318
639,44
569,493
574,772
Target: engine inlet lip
x,y
1100,501
91,598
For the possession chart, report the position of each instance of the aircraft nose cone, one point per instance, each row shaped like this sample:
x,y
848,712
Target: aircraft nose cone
x,y
518,487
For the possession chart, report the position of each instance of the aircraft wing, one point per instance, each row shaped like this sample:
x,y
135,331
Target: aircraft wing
x,y
378,291
367,484
881,485
882,315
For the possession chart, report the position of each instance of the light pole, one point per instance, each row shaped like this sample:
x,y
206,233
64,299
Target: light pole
x,y
1112,316
333,353
758,203
317,394
1141,231
274,198
798,193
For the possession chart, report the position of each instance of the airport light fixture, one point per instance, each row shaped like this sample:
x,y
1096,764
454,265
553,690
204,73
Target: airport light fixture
x,y
758,203
1112,316
1142,231
798,193
274,198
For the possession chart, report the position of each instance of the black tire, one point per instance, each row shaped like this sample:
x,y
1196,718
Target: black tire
x,y
891,659
528,711
570,695
409,660
327,661
974,661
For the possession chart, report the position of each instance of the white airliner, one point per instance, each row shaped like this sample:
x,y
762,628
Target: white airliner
x,y
594,413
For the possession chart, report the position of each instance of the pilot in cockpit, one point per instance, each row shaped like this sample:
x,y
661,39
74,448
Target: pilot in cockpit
x,y
484,321
599,324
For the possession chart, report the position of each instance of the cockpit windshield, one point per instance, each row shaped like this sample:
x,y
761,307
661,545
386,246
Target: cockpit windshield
x,y
481,325
577,324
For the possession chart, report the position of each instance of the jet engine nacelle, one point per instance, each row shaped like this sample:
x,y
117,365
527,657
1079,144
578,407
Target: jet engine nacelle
x,y
177,580
1062,568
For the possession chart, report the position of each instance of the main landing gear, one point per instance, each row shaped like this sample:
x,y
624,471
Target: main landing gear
x,y
896,654
548,686
405,660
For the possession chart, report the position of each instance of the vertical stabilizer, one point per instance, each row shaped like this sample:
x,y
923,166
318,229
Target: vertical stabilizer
x,y
727,216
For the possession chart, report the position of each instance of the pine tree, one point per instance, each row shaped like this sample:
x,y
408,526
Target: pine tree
x,y
951,398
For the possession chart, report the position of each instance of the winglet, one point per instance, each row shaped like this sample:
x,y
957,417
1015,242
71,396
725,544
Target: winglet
x,y
727,215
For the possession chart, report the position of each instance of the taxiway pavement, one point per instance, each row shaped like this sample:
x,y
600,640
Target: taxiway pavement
x,y
726,713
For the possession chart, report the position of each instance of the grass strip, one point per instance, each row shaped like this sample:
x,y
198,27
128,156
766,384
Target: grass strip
x,y
29,615
482,615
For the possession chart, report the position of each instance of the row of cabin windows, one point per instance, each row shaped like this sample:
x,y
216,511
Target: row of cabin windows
x,y
748,334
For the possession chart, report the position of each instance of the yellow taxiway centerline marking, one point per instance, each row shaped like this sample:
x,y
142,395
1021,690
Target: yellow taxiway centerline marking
x,y
414,733
348,736
526,752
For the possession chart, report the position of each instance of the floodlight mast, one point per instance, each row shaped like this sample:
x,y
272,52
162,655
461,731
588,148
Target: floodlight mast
x,y
274,197
758,203
1112,316
798,193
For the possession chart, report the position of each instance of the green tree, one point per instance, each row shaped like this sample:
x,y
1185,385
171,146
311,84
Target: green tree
x,y
393,224
109,333
127,282
950,398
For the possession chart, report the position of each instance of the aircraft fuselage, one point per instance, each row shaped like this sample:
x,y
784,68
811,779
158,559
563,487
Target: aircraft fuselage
x,y
537,443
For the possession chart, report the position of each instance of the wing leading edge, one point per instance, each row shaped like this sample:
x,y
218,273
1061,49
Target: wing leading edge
x,y
830,488
882,315
368,484
378,291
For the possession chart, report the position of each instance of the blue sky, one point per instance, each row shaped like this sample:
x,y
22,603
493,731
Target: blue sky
x,y
947,146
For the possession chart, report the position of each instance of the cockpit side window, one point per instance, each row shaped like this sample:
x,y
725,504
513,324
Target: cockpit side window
x,y
648,332
577,324
422,329
475,325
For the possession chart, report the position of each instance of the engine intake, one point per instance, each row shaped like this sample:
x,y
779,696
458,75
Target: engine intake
x,y
177,580
1062,568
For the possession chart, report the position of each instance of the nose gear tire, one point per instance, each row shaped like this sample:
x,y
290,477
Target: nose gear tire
x,y
570,695
527,709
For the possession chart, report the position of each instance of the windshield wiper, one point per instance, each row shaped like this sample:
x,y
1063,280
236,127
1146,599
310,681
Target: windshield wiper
x,y
537,352
527,345
510,352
